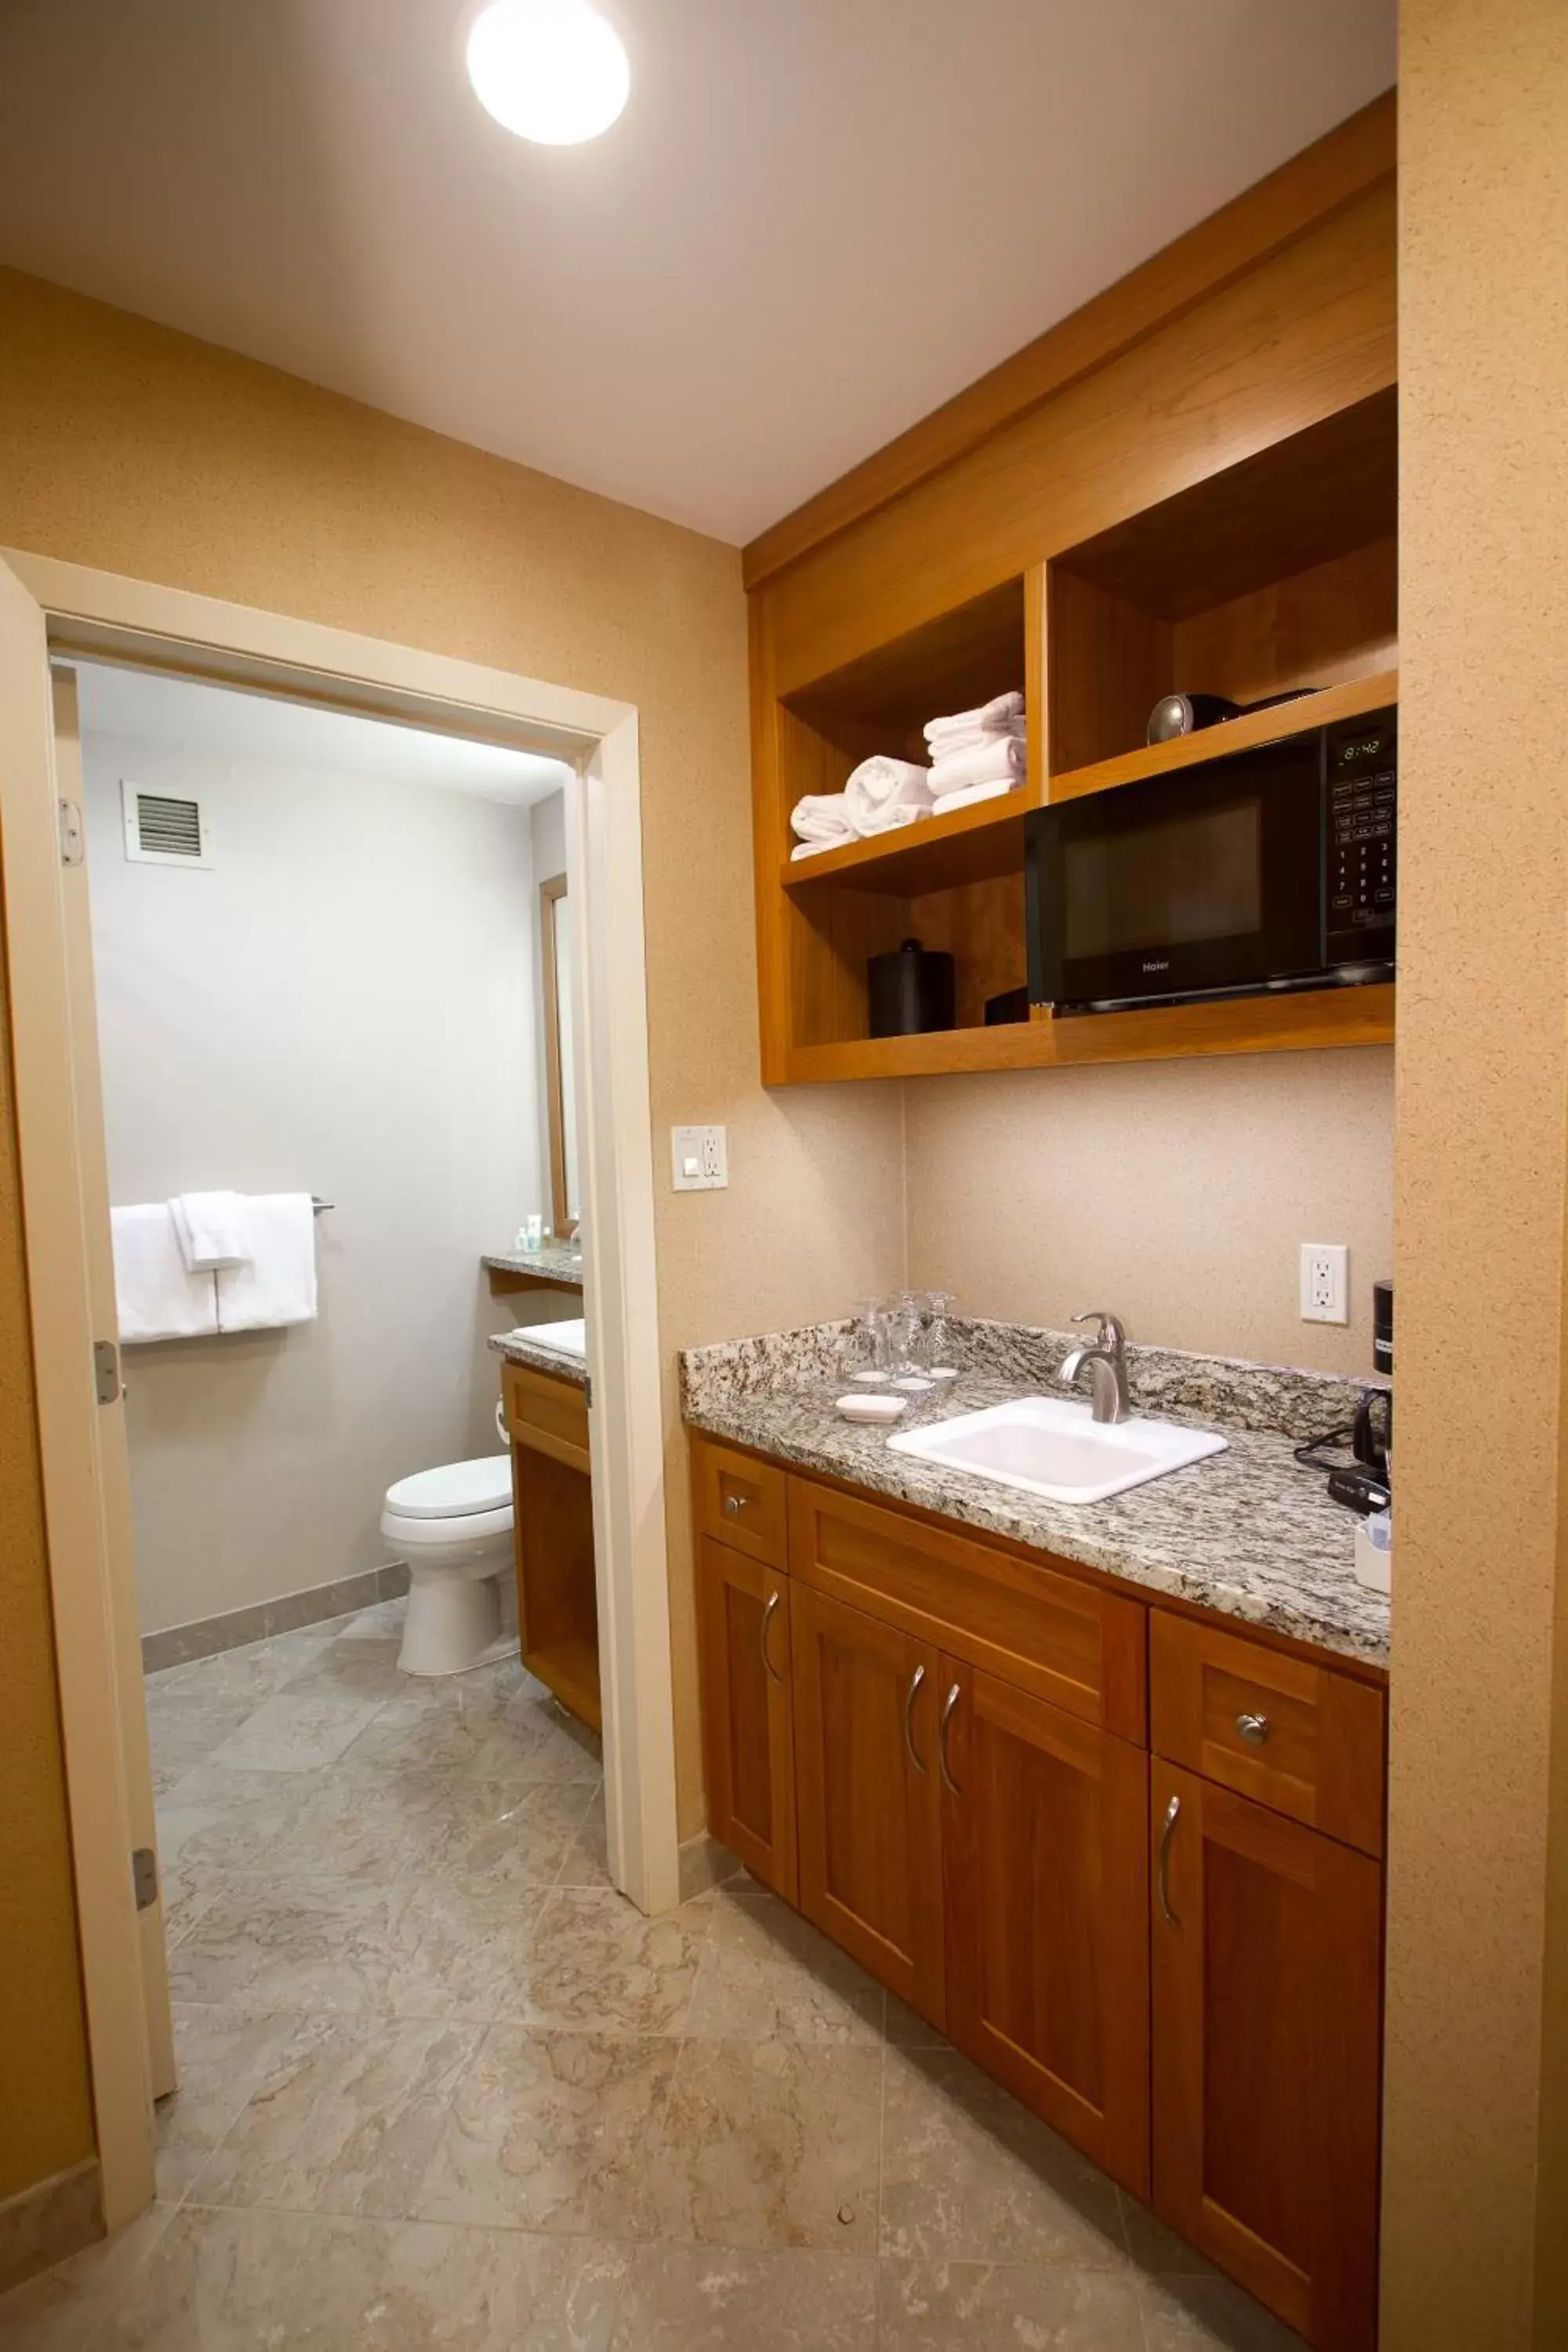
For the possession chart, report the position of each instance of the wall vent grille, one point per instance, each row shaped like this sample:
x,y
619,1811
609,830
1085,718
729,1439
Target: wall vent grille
x,y
166,828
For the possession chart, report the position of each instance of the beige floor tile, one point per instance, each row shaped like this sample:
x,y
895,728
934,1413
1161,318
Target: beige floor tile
x,y
554,2132
188,1895
969,2175
593,1962
768,1972
770,2144
343,2118
1156,2250
587,1861
222,2054
187,1727
216,1819
406,1822
1209,2314
499,1728
261,2281
713,2299
295,1732
527,1831
348,1668
62,2310
988,2307
425,1948
382,1622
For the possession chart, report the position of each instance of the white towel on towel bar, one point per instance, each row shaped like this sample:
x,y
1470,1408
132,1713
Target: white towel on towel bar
x,y
278,1285
882,793
156,1295
213,1229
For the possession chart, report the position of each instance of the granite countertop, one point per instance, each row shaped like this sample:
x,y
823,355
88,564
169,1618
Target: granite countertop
x,y
520,1348
1249,1532
558,1261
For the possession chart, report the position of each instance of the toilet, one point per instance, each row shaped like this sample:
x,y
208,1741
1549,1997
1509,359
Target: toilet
x,y
453,1526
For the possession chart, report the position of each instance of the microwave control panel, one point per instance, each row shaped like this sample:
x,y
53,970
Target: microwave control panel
x,y
1360,837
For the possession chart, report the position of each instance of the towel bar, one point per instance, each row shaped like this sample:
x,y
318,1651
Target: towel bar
x,y
318,1204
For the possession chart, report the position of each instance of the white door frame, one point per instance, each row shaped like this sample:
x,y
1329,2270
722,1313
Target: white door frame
x,y
89,612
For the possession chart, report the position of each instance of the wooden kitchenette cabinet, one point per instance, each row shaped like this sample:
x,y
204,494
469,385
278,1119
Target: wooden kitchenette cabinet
x,y
960,1761
546,1417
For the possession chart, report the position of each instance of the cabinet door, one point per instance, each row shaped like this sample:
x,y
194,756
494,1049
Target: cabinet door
x,y
1047,1860
744,1613
867,1791
1267,1953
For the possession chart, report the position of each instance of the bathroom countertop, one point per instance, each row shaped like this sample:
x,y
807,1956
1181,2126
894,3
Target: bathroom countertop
x,y
518,1348
1248,1533
551,1262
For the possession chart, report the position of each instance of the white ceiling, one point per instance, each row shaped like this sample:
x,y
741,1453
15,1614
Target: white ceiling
x,y
176,715
816,220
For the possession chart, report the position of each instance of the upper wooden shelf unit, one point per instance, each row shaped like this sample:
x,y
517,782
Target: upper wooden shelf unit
x,y
1211,508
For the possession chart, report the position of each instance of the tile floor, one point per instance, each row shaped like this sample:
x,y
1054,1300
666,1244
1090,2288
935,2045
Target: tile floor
x,y
441,2085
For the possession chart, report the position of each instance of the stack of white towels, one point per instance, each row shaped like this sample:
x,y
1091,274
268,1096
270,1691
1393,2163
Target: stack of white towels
x,y
974,755
207,1263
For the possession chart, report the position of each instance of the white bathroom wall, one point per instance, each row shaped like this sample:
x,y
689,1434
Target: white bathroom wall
x,y
345,1004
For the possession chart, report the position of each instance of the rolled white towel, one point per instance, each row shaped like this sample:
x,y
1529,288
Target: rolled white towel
x,y
884,792
941,747
970,793
1002,713
822,820
1002,759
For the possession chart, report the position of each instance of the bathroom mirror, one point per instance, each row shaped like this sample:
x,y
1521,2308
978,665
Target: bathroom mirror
x,y
565,1202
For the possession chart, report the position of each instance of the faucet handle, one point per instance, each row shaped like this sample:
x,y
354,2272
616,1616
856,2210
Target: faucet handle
x,y
1110,1333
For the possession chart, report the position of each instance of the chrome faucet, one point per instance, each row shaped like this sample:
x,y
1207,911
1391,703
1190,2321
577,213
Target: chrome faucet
x,y
1107,1360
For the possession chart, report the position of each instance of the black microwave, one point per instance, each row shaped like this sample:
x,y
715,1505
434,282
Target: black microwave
x,y
1270,869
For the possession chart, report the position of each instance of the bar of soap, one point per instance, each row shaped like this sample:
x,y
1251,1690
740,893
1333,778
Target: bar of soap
x,y
870,1408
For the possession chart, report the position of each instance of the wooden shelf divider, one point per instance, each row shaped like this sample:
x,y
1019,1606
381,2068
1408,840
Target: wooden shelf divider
x,y
937,853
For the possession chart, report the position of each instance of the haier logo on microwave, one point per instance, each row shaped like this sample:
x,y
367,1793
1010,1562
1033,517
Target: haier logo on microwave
x,y
1157,963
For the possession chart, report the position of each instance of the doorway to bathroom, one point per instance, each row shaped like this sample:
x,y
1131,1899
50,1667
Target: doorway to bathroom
x,y
247,973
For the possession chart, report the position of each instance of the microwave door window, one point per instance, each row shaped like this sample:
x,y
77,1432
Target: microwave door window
x,y
1168,883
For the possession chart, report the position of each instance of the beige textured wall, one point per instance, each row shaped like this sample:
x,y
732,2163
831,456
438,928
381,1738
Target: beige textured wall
x,y
46,2106
144,452
1176,1193
1482,1091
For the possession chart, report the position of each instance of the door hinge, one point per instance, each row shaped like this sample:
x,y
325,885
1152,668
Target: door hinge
x,y
73,837
106,1371
144,1876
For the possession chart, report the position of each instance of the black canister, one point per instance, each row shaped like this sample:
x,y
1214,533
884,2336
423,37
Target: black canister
x,y
909,991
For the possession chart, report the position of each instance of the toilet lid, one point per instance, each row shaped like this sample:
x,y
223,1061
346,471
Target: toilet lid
x,y
454,1491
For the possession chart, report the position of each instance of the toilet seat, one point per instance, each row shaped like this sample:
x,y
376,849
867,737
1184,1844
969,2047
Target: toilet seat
x,y
398,1527
456,1490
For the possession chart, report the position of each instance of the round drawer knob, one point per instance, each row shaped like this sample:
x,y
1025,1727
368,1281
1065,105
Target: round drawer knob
x,y
734,1505
1253,1728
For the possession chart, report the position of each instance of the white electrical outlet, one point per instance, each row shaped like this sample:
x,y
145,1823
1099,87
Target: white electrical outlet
x,y
699,1158
1325,1282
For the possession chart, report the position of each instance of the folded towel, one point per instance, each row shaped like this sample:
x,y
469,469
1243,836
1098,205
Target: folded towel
x,y
278,1285
818,849
821,819
993,718
970,793
883,792
964,739
1004,759
213,1229
157,1295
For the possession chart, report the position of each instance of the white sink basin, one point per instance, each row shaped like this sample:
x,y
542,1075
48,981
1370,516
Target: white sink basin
x,y
1052,1446
565,1338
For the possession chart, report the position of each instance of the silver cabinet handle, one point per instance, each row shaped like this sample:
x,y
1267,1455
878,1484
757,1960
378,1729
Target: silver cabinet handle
x,y
1162,1863
1253,1728
769,1667
734,1505
943,1724
916,1679
503,1431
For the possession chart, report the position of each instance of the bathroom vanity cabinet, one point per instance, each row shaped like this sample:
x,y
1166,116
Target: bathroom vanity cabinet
x,y
546,1418
1127,1858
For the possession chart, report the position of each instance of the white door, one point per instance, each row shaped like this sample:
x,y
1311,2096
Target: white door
x,y
81,1440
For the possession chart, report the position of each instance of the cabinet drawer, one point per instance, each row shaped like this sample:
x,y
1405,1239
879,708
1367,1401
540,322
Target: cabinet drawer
x,y
740,1502
549,1415
1066,1641
1297,1737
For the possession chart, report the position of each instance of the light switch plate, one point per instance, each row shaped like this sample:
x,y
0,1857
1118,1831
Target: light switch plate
x,y
1325,1282
699,1158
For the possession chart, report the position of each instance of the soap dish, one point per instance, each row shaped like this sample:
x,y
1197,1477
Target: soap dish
x,y
871,1408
